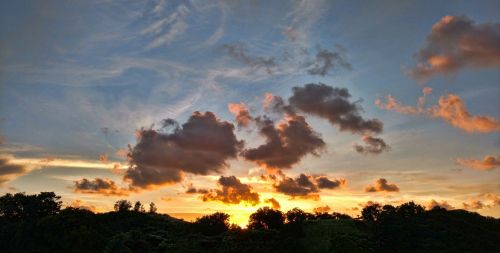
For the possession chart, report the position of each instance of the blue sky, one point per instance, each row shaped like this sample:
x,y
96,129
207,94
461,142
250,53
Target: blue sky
x,y
68,69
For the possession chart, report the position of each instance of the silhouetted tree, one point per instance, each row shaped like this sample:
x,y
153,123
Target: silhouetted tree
x,y
122,205
152,208
266,218
21,206
296,215
213,224
371,213
410,209
138,207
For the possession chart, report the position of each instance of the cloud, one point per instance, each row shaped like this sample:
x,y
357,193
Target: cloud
x,y
306,186
452,109
192,190
322,209
489,162
333,104
449,108
286,144
274,203
240,111
79,204
232,191
8,170
104,187
325,183
443,204
373,146
473,205
457,42
238,52
167,29
200,146
328,60
381,185
103,158
494,198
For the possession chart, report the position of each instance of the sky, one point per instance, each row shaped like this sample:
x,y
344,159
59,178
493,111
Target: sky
x,y
204,106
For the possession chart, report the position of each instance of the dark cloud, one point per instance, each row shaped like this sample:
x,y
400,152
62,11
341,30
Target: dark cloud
x,y
372,145
237,51
381,185
333,104
328,60
9,169
325,183
456,42
232,191
274,203
99,186
286,143
306,186
192,190
200,146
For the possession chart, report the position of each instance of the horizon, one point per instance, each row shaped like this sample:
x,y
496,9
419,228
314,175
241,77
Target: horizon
x,y
223,106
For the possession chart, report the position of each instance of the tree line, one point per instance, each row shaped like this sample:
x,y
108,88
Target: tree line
x,y
39,223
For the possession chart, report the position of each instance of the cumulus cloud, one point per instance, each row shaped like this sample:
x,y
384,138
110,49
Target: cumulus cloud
x,y
442,204
306,186
8,170
372,145
101,186
286,144
381,185
489,162
333,104
274,203
457,42
328,60
238,52
232,191
200,146
322,209
240,111
473,205
449,108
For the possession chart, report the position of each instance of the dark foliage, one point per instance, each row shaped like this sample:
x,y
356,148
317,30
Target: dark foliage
x,y
36,223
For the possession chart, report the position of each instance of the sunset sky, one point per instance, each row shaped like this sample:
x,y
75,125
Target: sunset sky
x,y
204,106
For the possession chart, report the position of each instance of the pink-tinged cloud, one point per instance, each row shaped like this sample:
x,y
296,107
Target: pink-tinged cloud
x,y
457,42
306,186
489,162
240,111
473,205
450,108
381,185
